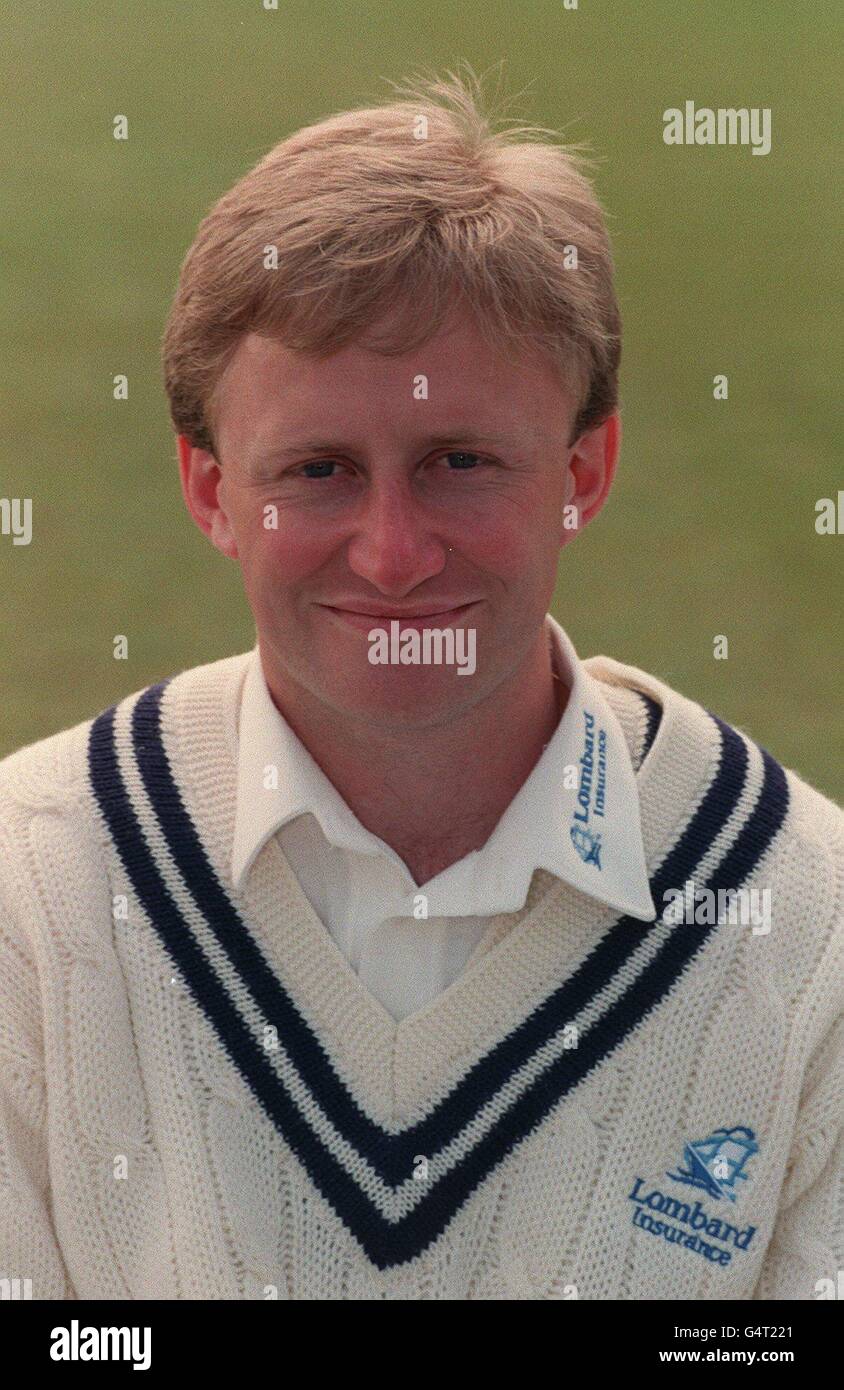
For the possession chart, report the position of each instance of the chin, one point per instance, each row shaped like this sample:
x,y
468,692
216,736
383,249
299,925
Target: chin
x,y
407,698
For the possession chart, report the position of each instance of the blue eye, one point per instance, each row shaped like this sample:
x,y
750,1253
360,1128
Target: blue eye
x,y
459,461
464,460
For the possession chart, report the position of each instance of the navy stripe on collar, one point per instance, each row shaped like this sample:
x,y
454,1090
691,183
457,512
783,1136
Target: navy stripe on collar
x,y
390,1239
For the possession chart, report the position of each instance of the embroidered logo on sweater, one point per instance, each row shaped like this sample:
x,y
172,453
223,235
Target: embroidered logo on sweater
x,y
716,1164
368,1172
721,1235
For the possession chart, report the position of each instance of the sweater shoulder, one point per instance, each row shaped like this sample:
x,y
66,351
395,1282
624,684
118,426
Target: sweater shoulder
x,y
803,864
51,774
810,813
815,816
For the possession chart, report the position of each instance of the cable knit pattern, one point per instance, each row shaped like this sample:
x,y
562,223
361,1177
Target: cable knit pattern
x,y
199,1099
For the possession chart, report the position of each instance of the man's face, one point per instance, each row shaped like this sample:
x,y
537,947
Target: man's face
x,y
428,488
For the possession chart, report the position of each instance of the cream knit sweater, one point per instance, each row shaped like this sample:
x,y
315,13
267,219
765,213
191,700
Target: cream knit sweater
x,y
199,1100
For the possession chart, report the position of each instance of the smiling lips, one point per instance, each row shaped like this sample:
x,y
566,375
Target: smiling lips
x,y
367,620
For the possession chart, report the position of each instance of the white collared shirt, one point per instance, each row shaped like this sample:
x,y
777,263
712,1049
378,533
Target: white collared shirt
x,y
576,816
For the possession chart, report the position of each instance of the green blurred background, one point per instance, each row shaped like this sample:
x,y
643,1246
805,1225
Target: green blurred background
x,y
727,262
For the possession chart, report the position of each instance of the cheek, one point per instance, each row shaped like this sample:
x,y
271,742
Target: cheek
x,y
511,542
282,551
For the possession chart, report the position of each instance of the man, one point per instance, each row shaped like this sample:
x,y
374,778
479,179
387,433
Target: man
x,y
408,955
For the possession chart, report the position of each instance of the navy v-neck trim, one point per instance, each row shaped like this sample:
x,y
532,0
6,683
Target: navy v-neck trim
x,y
365,1171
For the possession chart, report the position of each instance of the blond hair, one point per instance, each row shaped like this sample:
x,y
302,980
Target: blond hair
x,y
403,206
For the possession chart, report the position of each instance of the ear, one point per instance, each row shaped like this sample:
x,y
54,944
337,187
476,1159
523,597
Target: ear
x,y
202,479
590,471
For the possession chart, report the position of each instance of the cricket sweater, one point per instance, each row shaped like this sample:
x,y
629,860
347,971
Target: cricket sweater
x,y
200,1100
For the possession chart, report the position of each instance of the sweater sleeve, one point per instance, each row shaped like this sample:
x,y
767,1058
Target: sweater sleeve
x,y
29,1251
805,1257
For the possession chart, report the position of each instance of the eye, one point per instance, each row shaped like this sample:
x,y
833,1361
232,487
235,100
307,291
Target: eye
x,y
321,468
460,460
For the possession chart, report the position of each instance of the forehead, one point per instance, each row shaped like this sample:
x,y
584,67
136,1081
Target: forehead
x,y
270,390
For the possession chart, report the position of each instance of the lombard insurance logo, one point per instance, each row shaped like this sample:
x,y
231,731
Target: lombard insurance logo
x,y
587,845
716,1164
591,791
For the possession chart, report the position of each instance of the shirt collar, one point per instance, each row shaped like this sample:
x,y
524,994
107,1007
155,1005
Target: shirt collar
x,y
576,815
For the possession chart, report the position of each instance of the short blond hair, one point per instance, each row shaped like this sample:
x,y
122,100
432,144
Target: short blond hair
x,y
403,206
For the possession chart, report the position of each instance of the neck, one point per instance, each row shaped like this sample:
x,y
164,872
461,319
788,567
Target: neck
x,y
435,794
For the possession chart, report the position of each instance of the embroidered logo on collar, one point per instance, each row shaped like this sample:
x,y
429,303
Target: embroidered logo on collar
x,y
716,1163
364,1169
587,845
591,793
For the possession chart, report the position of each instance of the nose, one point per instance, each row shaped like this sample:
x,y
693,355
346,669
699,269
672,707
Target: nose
x,y
393,547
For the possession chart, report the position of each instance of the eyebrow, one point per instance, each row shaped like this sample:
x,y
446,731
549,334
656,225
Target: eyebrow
x,y
461,434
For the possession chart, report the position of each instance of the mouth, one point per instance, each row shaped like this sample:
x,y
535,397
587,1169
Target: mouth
x,y
367,621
